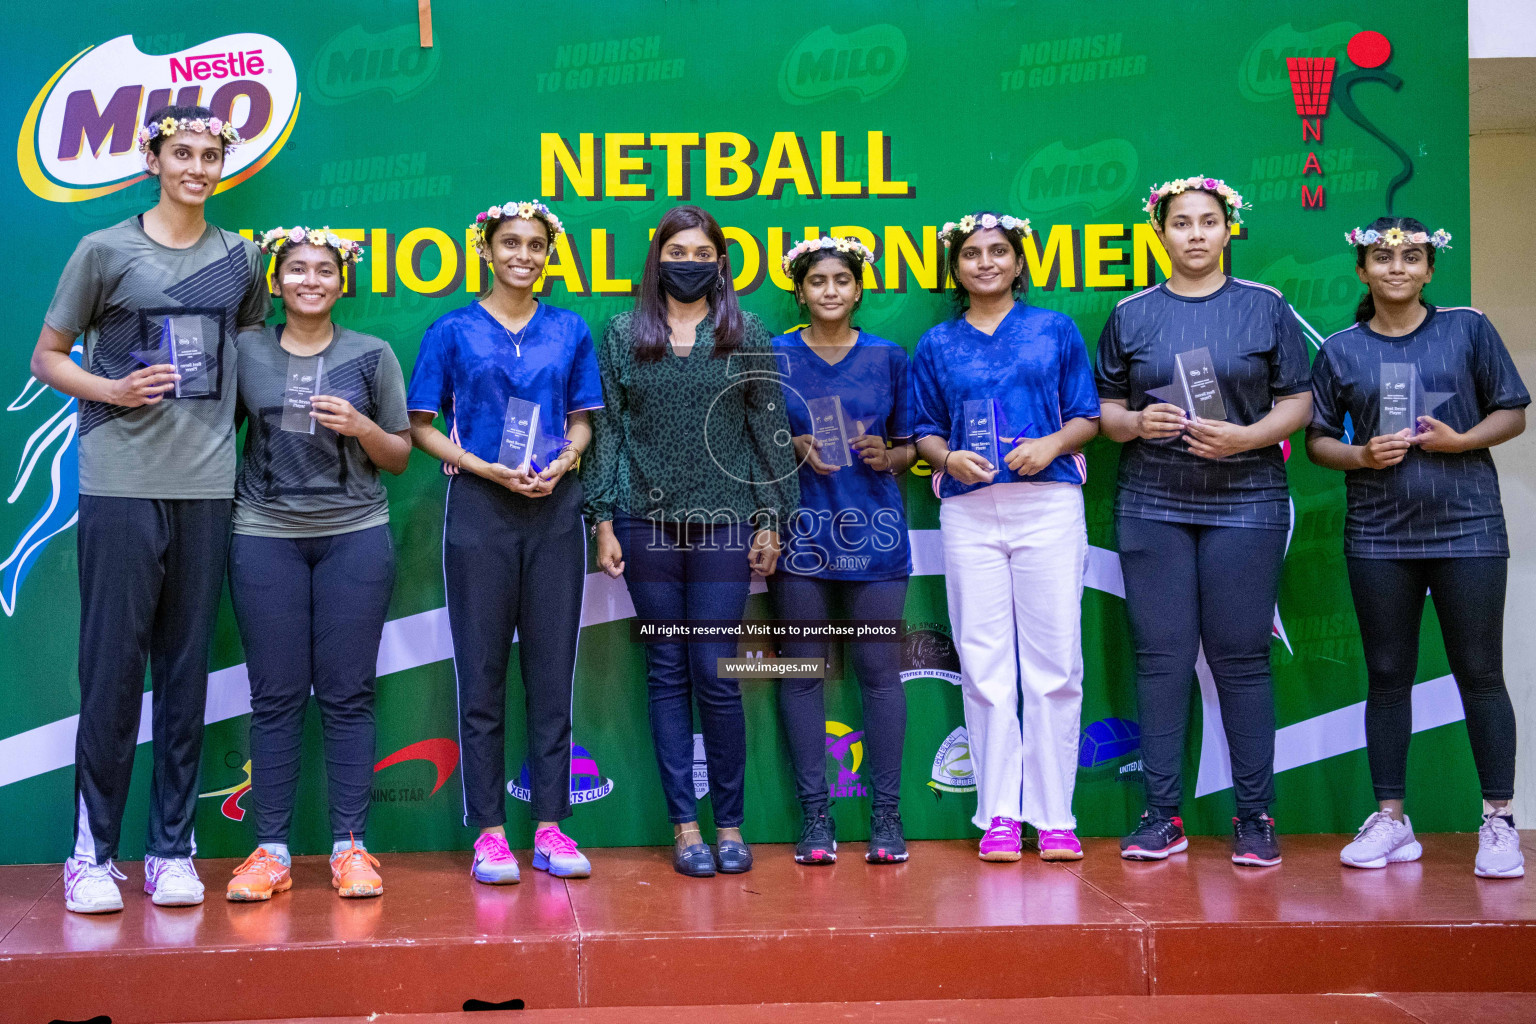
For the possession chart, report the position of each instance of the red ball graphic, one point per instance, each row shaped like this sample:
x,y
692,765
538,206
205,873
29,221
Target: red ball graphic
x,y
1369,49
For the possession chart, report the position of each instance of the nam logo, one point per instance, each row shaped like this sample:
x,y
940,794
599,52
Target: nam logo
x,y
1055,178
442,754
587,783
1264,74
356,62
77,139
952,768
868,61
845,748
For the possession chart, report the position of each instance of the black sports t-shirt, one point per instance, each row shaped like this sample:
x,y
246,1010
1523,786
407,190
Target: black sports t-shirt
x,y
1258,353
1432,504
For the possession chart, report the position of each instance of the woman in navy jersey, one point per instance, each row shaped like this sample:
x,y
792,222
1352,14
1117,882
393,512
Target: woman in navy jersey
x,y
514,378
1201,378
847,550
1005,402
1408,403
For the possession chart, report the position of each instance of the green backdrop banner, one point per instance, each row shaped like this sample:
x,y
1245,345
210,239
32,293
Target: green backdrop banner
x,y
785,120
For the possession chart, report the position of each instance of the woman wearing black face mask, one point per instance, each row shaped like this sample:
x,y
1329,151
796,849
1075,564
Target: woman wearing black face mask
x,y
691,475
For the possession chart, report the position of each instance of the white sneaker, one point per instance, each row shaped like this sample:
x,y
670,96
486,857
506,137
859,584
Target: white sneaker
x,y
1382,840
1498,849
88,887
172,881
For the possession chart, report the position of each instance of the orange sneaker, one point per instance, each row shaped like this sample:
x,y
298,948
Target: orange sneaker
x,y
352,872
258,878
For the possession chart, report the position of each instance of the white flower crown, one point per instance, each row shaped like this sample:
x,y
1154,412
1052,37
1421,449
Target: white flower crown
x,y
848,245
346,249
170,126
985,221
513,211
1395,237
1197,183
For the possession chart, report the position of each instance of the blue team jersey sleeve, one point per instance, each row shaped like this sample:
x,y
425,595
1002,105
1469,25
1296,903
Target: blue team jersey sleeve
x,y
430,386
1498,382
1112,371
1078,397
584,387
931,414
1327,409
1289,372
898,425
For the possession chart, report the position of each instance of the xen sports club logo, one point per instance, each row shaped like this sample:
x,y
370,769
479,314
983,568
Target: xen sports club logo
x,y
442,754
868,62
587,783
77,139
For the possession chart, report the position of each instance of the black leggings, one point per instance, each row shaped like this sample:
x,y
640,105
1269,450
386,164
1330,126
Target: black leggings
x,y
1187,586
1469,601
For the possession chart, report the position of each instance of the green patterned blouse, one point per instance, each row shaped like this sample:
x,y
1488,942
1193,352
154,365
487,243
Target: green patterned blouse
x,y
691,438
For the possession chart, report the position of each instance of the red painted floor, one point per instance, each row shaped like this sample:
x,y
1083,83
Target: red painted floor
x,y
944,926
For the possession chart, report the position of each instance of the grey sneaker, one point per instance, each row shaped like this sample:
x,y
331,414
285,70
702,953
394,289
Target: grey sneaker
x,y
1498,848
1382,840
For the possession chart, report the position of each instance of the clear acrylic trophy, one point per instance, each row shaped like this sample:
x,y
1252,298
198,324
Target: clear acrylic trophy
x,y
830,427
520,435
183,337
304,374
1197,390
1404,400
983,422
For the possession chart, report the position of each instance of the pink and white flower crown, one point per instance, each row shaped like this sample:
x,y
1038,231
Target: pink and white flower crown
x,y
513,211
848,245
1197,183
953,230
346,249
170,126
1395,237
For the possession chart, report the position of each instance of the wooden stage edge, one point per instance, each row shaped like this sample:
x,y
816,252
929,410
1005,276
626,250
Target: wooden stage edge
x,y
943,926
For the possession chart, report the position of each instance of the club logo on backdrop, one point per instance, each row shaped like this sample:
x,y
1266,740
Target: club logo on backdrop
x,y
952,770
845,748
867,61
1106,740
356,62
77,139
928,652
587,783
1056,178
1264,74
441,753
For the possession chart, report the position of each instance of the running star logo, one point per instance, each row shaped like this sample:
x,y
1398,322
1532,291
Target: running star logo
x,y
442,754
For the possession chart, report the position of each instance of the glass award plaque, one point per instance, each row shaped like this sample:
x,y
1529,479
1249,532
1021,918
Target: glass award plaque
x,y
983,422
1196,390
183,337
304,374
829,426
520,435
1404,400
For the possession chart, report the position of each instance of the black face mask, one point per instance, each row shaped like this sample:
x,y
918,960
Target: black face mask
x,y
689,280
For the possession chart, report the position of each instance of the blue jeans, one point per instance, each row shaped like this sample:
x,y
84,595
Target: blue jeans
x,y
692,573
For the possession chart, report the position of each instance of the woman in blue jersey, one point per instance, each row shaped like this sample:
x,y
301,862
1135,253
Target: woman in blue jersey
x,y
515,379
1201,378
847,550
1408,403
1005,402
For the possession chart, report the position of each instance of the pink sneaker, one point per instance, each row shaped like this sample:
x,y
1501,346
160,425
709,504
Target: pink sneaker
x,y
1002,841
1059,844
494,862
556,852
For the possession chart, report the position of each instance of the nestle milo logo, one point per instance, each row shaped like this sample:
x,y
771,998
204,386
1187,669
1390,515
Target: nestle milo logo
x,y
356,62
1263,74
868,61
1324,291
1097,176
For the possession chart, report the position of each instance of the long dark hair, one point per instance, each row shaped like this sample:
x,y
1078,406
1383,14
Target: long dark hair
x,y
957,239
1367,308
650,323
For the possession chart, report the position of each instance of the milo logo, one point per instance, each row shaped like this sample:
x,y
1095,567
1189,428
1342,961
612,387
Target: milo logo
x,y
824,63
1055,178
1263,74
356,62
1324,292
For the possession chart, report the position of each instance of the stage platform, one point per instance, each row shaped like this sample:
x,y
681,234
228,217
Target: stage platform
x,y
942,927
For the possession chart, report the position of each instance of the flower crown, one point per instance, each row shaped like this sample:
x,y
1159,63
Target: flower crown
x,y
986,221
510,211
1197,183
1395,237
346,249
171,125
848,245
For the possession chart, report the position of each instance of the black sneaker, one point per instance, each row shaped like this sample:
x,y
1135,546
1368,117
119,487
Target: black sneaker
x,y
1155,838
818,840
886,843
1254,842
